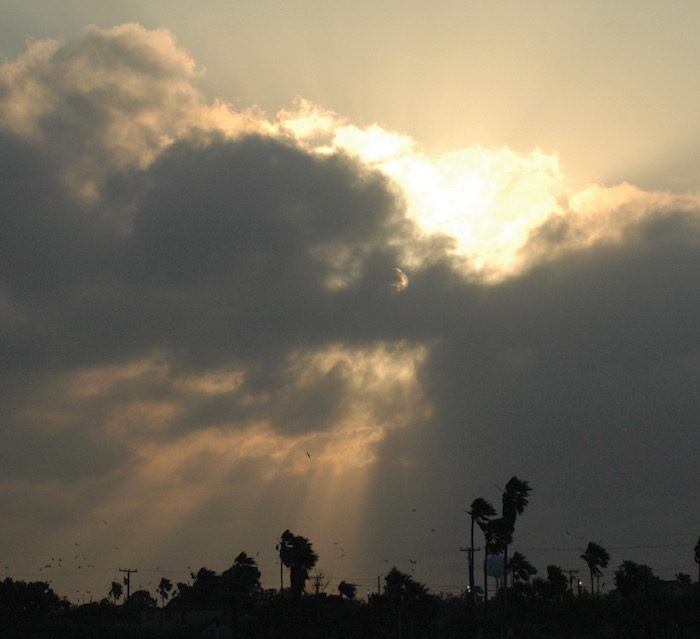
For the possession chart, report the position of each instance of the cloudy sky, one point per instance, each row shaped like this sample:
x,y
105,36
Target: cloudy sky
x,y
342,268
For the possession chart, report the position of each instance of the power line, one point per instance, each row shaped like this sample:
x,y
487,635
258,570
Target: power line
x,y
640,547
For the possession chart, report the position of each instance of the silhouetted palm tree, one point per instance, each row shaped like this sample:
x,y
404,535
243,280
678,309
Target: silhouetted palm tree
x,y
116,591
514,499
164,588
479,512
596,557
400,587
485,526
502,530
241,581
521,568
497,534
347,590
297,554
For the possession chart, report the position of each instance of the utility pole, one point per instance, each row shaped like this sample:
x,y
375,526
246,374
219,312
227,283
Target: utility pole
x,y
470,554
470,595
127,580
279,548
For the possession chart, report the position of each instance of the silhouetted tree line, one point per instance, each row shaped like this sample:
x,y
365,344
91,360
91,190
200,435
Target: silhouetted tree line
x,y
234,604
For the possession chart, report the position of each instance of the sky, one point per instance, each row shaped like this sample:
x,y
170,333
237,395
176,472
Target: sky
x,y
341,268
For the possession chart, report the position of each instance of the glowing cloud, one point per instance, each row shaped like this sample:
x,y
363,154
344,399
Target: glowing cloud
x,y
489,201
109,100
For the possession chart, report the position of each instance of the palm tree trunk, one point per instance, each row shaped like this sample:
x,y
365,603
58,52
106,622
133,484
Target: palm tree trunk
x,y
486,578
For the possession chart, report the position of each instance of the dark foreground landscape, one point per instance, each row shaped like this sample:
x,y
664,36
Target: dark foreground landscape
x,y
233,604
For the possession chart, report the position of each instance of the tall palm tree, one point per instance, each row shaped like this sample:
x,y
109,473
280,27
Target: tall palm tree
x,y
502,530
514,499
298,555
596,557
497,535
479,512
486,526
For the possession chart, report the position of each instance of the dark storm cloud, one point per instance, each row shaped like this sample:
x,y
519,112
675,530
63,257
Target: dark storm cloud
x,y
249,233
580,375
226,262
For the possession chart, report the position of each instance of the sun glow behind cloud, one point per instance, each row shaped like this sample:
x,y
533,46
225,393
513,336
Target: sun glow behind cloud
x,y
491,203
486,200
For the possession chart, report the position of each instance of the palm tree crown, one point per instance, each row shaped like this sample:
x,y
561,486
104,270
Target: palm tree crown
x,y
521,568
298,555
515,498
596,557
480,510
